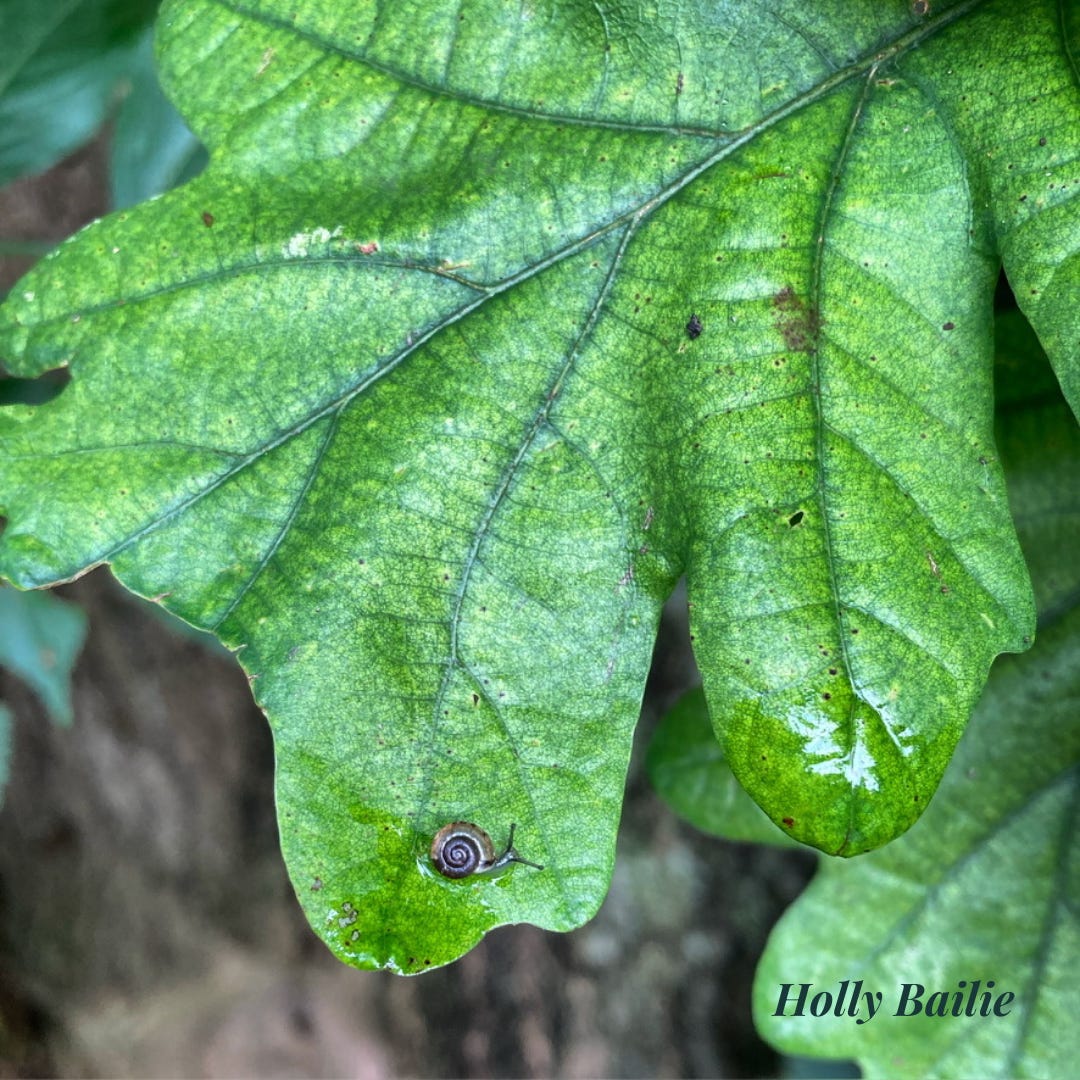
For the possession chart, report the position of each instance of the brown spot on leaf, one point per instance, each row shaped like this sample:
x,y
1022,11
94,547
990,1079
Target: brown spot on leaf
x,y
207,218
798,324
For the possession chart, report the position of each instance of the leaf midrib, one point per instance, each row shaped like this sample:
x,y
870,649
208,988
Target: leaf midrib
x,y
821,426
737,141
454,660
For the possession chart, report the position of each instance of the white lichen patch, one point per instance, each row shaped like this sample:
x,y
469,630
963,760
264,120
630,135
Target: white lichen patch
x,y
299,245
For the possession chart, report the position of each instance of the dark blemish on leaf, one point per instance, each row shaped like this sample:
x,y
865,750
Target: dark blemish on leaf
x,y
855,631
789,822
207,218
1042,141
948,326
920,7
694,327
679,85
798,324
827,696
944,589
316,885
476,699
795,519
832,671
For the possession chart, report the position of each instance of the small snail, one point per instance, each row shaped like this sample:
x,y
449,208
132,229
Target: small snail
x,y
462,849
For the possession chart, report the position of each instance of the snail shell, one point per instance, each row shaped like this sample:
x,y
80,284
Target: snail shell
x,y
461,849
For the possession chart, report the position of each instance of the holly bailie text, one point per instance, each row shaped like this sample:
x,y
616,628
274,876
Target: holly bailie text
x,y
852,1000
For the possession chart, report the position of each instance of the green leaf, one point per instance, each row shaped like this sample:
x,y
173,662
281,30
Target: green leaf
x,y
152,149
40,637
405,396
60,63
984,886
688,770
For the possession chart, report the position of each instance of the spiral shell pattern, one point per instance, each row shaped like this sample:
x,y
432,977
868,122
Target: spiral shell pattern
x,y
460,849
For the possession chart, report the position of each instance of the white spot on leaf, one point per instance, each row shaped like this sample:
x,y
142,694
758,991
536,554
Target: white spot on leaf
x,y
300,244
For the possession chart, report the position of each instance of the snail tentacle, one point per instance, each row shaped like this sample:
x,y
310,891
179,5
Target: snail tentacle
x,y
461,849
510,855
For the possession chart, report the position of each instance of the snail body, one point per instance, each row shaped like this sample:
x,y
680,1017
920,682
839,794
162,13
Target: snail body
x,y
461,849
